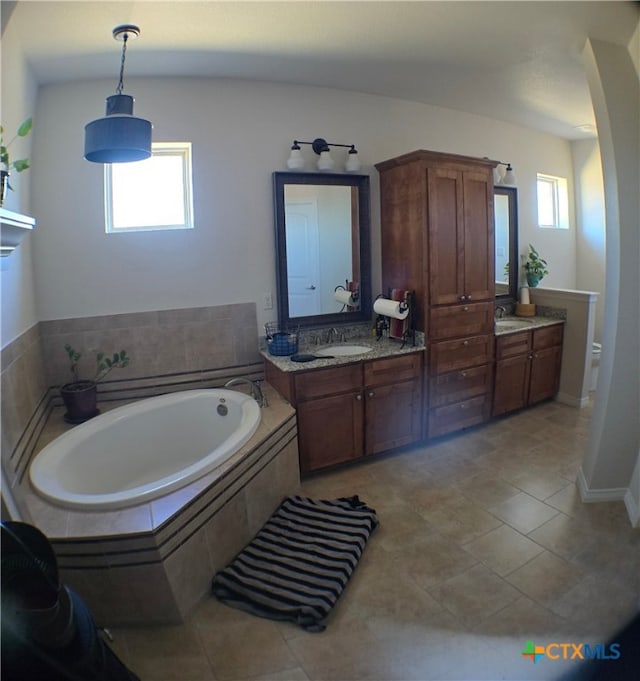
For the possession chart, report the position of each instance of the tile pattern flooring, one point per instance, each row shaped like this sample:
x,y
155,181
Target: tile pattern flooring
x,y
483,545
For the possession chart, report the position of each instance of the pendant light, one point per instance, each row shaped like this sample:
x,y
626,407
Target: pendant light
x,y
119,137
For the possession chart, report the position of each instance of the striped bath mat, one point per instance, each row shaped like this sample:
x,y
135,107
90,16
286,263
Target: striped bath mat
x,y
296,567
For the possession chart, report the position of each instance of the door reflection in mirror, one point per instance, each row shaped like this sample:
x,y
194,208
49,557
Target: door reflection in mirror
x,y
319,222
322,244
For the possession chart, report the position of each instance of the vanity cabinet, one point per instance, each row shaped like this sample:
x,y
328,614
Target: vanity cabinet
x,y
330,409
527,368
353,410
460,383
437,229
393,402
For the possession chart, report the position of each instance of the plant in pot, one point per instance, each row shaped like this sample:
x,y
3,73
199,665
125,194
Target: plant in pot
x,y
80,396
7,164
535,267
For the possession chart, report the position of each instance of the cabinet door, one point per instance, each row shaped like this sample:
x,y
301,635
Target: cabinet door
x,y
511,384
545,374
479,248
392,416
446,236
330,430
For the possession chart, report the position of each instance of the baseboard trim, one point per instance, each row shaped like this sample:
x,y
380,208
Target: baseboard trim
x,y
595,495
572,401
633,509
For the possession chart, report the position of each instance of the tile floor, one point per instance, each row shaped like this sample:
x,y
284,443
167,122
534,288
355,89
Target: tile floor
x,y
483,545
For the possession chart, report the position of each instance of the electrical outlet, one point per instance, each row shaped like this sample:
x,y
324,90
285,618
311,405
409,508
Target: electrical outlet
x,y
267,300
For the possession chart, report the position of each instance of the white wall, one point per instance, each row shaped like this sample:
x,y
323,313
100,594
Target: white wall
x,y
614,436
241,132
16,272
590,223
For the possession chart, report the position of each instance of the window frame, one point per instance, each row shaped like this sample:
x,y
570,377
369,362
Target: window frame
x,y
559,198
180,149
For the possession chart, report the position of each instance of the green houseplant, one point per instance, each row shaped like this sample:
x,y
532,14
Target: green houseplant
x,y
535,267
80,395
5,159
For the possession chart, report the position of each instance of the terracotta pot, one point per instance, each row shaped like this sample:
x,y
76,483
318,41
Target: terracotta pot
x,y
80,399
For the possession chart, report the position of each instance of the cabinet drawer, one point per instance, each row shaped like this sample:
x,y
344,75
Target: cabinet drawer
x,y
459,415
547,337
322,382
460,320
457,354
460,385
513,344
392,369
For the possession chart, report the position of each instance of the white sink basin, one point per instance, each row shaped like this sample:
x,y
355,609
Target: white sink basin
x,y
343,350
512,324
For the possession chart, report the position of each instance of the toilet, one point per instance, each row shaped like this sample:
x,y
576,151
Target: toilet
x,y
595,363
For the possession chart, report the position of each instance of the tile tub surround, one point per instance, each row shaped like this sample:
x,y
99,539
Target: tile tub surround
x,y
169,349
153,563
158,342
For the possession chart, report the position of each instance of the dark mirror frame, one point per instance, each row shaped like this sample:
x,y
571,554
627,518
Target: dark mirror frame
x,y
280,179
512,194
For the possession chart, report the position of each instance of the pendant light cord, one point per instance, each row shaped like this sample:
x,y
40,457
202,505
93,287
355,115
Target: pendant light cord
x,y
124,50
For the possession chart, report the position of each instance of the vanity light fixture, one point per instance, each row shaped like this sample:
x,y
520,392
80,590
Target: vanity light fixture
x,y
323,148
509,177
119,137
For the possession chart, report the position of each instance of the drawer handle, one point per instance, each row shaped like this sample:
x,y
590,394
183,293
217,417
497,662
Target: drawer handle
x,y
464,406
465,308
462,298
358,397
465,343
463,374
371,394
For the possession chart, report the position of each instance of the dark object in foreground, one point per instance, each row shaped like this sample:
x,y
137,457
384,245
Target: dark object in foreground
x,y
47,630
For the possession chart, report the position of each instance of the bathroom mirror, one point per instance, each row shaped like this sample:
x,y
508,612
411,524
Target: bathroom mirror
x,y
322,225
505,207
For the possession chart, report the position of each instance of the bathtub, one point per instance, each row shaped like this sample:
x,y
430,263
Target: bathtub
x,y
141,451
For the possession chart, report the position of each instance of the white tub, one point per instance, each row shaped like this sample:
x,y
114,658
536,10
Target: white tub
x,y
144,450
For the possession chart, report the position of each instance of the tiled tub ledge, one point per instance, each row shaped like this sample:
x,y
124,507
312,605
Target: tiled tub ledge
x,y
153,563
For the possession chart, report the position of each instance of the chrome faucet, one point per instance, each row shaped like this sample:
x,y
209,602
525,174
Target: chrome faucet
x,y
500,311
256,391
332,334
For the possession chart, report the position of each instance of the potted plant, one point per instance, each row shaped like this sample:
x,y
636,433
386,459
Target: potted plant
x,y
7,164
80,396
535,267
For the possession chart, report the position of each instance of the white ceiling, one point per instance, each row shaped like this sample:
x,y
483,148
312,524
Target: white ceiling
x,y
515,61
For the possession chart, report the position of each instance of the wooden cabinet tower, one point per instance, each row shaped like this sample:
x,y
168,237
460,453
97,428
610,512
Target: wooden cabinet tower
x,y
438,239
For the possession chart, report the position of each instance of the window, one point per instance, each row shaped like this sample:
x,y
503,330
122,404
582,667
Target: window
x,y
152,194
553,202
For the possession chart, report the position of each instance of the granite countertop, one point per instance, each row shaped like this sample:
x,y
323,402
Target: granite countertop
x,y
385,347
388,347
524,324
